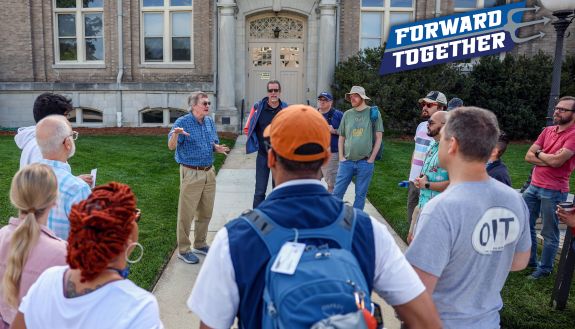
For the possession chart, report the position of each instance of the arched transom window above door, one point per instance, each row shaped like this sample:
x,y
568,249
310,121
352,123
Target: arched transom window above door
x,y
274,27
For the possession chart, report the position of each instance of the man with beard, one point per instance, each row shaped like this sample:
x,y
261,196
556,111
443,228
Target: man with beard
x,y
433,102
552,155
357,149
55,139
470,236
433,179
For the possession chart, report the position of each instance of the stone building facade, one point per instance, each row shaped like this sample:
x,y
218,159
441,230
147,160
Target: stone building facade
x,y
134,62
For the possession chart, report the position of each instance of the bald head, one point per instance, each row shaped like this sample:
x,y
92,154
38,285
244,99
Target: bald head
x,y
52,134
439,116
435,123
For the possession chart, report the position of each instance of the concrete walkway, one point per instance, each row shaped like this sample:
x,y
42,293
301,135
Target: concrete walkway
x,y
234,194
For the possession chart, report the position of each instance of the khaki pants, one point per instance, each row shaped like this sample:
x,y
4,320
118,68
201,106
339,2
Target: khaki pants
x,y
197,194
329,171
412,200
413,225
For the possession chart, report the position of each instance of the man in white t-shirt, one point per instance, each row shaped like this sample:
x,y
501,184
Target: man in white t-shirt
x,y
470,236
433,102
231,281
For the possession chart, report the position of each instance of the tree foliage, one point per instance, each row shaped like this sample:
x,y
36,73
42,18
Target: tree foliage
x,y
516,88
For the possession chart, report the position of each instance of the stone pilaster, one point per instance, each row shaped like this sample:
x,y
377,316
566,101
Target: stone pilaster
x,y
327,44
226,116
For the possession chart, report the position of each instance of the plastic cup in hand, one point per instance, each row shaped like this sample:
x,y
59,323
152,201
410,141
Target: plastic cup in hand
x,y
567,206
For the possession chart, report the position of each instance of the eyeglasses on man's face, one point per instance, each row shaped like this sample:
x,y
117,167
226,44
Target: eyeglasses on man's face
x,y
562,109
273,90
267,144
431,122
206,103
323,99
74,136
427,104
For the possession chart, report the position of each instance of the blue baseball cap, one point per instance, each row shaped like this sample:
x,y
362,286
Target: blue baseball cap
x,y
454,103
326,95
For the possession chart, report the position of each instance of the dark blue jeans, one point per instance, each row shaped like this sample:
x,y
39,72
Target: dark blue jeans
x,y
262,179
544,201
362,170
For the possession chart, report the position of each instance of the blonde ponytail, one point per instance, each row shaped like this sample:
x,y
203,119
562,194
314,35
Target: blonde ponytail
x,y
23,240
34,189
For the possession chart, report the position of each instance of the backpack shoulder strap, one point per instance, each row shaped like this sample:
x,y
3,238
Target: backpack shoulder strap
x,y
271,233
274,235
373,114
340,231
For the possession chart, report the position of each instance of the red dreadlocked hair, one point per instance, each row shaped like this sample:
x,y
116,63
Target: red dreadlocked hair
x,y
99,228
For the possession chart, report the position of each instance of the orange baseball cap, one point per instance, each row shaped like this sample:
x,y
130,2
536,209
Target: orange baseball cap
x,y
299,133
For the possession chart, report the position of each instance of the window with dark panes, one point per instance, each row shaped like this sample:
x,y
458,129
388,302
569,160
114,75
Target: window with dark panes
x,y
160,116
167,31
175,114
79,31
92,116
153,116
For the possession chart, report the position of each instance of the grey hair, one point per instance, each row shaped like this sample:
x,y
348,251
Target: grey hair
x,y
195,97
53,142
475,129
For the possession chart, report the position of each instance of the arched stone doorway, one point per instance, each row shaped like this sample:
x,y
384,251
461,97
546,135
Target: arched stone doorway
x,y
276,52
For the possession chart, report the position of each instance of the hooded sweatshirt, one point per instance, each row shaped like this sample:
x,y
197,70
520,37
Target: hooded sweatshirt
x,y
26,140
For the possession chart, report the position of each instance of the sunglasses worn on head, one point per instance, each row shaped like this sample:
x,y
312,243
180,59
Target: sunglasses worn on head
x,y
273,90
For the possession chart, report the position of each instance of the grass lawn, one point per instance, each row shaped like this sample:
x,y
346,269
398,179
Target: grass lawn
x,y
144,163
526,303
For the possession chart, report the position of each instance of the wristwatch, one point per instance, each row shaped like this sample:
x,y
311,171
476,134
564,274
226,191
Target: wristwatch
x,y
537,153
427,185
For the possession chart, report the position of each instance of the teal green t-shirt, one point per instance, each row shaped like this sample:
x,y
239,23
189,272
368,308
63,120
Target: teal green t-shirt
x,y
433,172
356,128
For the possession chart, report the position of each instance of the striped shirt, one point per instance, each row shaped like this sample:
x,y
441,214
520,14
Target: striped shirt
x,y
422,141
71,190
198,148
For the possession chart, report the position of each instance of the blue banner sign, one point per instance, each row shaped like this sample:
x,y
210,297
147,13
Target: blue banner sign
x,y
456,37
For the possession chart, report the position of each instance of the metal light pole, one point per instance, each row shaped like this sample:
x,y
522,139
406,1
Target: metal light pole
x,y
564,18
564,11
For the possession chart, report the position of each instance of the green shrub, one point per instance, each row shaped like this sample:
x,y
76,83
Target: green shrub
x,y
516,88
395,94
568,76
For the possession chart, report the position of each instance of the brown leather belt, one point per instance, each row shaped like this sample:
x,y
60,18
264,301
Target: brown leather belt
x,y
203,168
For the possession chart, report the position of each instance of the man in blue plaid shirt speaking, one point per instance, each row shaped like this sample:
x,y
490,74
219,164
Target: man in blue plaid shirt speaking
x,y
195,140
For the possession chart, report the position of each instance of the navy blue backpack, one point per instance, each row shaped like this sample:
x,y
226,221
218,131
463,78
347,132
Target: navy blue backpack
x,y
327,281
